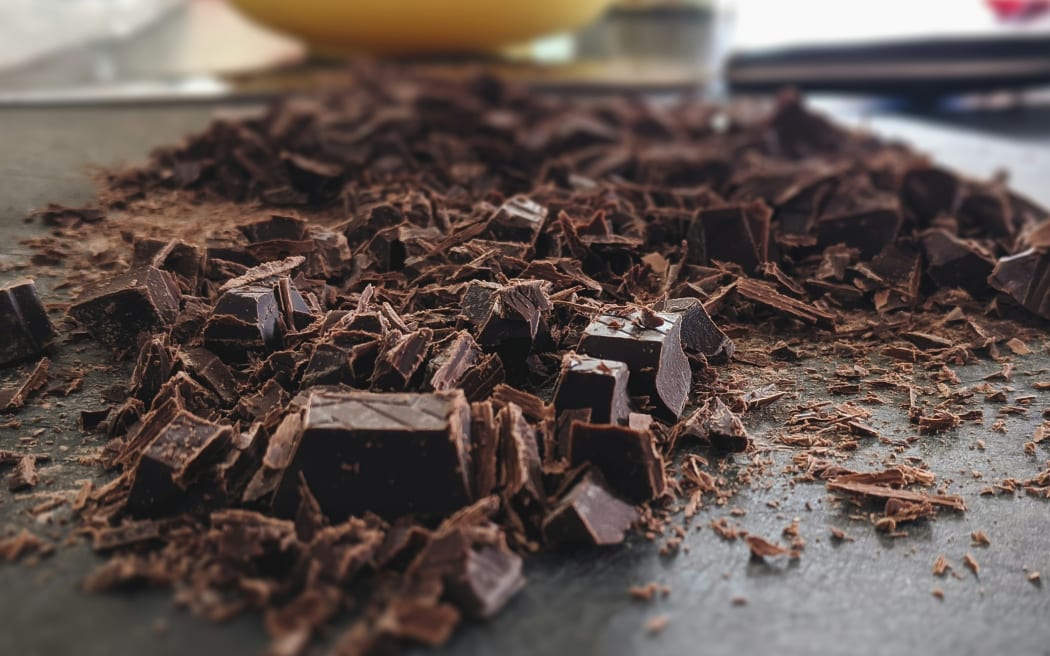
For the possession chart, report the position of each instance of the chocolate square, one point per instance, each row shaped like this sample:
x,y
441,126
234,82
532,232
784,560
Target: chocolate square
x,y
600,385
116,311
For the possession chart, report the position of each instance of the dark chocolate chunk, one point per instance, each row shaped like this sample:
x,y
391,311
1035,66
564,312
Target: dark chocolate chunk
x,y
716,424
116,311
152,369
589,514
626,457
737,234
24,476
487,579
400,359
25,329
392,454
184,260
245,319
518,219
654,355
700,334
454,358
206,367
954,262
928,192
868,230
765,294
521,474
478,382
485,439
508,316
600,385
174,459
1025,277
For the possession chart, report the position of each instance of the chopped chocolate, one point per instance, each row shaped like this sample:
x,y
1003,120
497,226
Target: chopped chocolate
x,y
764,294
654,355
508,316
400,360
454,359
589,514
24,475
626,457
954,262
518,219
737,234
116,311
699,332
206,367
716,424
392,454
173,460
1025,277
245,319
596,384
13,398
25,329
152,369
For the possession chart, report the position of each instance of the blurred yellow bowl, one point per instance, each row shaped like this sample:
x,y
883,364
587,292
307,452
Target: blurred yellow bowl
x,y
420,26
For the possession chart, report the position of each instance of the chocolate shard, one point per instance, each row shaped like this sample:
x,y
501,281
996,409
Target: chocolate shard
x,y
25,329
521,473
185,261
1025,277
518,219
485,436
626,457
173,460
116,311
650,344
954,262
400,359
700,334
392,454
765,294
152,369
453,359
869,230
716,424
738,233
596,384
589,514
206,367
245,319
14,397
479,382
488,578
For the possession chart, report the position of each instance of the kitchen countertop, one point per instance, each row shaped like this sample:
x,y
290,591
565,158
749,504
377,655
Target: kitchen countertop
x,y
870,596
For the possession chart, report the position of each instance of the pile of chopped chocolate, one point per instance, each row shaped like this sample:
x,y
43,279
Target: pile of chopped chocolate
x,y
433,326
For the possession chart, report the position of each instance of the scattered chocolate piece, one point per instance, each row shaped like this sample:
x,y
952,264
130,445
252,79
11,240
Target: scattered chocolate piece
x,y
699,332
116,311
25,329
599,385
24,475
392,454
716,424
762,548
1025,277
954,262
589,514
971,564
626,457
13,398
658,366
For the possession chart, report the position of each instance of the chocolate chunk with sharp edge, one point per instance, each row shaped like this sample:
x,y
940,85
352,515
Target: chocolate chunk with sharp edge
x,y
485,440
175,458
184,260
245,319
700,334
659,368
511,315
487,579
738,233
152,369
589,514
392,454
1025,277
985,212
116,311
14,397
454,357
400,359
626,457
478,382
266,404
600,385
206,367
954,262
277,227
25,329
716,424
765,294
868,230
295,312
927,192
518,219
563,428
521,474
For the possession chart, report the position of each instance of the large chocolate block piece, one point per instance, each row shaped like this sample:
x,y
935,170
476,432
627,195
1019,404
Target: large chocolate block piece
x,y
651,346
625,455
174,459
117,310
700,334
392,454
600,385
589,514
508,316
25,329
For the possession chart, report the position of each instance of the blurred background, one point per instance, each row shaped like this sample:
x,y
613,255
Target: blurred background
x,y
981,63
